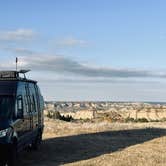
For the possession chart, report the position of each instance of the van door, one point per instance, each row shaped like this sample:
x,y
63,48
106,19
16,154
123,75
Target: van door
x,y
33,109
21,124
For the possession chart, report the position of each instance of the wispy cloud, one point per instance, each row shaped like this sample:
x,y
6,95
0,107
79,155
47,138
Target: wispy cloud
x,y
80,80
60,64
19,50
71,42
17,35
68,66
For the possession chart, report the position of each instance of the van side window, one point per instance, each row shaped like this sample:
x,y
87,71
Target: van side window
x,y
20,103
34,104
20,111
26,104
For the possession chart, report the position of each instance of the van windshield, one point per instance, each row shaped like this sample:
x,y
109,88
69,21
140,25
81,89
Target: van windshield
x,y
6,106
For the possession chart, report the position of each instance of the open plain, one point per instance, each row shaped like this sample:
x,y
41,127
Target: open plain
x,y
99,144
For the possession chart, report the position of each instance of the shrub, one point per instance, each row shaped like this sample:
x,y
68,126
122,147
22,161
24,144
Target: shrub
x,y
50,114
66,118
129,119
141,120
56,115
163,119
156,120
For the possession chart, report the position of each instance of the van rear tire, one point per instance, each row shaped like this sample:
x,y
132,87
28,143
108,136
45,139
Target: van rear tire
x,y
36,144
12,156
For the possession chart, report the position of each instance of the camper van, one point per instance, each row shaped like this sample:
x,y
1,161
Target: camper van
x,y
21,115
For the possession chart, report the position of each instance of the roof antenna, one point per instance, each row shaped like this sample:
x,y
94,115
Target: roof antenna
x,y
16,63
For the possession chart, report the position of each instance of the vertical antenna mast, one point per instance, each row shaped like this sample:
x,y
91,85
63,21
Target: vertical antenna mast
x,y
16,63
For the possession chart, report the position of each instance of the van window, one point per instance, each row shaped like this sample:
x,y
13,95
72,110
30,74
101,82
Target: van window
x,y
20,108
34,104
20,103
6,106
8,87
26,104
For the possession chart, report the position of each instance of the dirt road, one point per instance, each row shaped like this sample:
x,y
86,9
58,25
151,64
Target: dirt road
x,y
99,144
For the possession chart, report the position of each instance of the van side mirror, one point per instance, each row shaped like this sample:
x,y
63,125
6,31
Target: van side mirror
x,y
20,112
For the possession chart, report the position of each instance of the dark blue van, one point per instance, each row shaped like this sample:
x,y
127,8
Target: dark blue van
x,y
21,115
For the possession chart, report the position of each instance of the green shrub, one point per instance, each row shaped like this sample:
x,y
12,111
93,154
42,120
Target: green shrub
x,y
56,115
155,120
66,118
141,120
50,114
163,119
129,119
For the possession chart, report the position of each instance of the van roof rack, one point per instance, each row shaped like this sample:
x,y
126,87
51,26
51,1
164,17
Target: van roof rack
x,y
14,75
23,71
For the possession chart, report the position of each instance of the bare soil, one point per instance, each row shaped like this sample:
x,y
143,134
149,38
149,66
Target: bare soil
x,y
99,144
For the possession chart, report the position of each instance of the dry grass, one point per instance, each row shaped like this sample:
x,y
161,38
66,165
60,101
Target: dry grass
x,y
99,144
151,153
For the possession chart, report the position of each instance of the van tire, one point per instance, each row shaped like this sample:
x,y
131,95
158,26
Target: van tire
x,y
36,144
3,162
12,156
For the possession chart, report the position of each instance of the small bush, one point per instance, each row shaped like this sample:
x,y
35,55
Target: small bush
x,y
50,114
57,115
66,118
142,120
155,120
129,120
163,120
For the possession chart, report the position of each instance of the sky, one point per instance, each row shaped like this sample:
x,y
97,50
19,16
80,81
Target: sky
x,y
80,50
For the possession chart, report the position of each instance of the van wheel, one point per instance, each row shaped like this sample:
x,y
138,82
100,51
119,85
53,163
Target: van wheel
x,y
3,162
36,144
3,159
12,156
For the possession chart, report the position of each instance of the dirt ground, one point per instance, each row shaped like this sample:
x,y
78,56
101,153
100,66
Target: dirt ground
x,y
99,144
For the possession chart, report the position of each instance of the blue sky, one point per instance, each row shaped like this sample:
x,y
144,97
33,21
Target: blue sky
x,y
88,49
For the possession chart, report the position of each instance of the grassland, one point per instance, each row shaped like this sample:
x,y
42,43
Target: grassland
x,y
99,144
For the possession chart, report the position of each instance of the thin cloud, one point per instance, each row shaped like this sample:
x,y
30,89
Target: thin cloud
x,y
19,51
71,42
66,80
17,35
65,65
